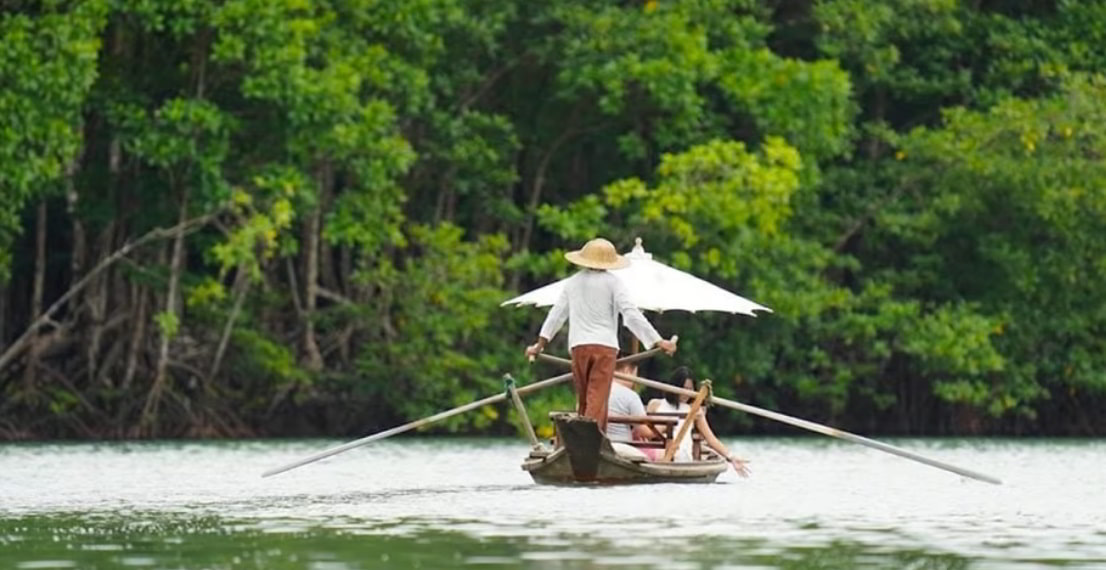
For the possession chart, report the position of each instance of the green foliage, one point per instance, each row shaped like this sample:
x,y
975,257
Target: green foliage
x,y
181,130
439,345
268,360
724,187
167,323
632,57
807,103
206,293
579,221
255,239
877,43
1017,179
47,66
913,187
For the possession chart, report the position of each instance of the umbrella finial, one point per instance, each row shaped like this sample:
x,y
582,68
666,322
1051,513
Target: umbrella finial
x,y
638,252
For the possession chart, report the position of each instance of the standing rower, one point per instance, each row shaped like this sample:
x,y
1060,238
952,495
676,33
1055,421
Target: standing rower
x,y
591,302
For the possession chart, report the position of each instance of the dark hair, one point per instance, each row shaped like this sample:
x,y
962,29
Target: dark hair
x,y
677,379
625,365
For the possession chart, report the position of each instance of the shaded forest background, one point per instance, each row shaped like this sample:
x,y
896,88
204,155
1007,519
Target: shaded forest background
x,y
299,217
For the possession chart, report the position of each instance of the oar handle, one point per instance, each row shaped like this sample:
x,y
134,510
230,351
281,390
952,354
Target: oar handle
x,y
629,358
638,356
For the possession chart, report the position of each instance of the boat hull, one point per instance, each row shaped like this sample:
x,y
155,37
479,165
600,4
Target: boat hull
x,y
587,458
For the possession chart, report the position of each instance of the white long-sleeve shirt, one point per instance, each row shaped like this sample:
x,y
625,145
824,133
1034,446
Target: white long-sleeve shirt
x,y
591,302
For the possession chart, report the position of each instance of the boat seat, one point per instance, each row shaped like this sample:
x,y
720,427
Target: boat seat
x,y
655,417
665,422
650,419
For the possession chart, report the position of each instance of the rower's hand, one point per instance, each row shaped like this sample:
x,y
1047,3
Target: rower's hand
x,y
533,350
668,346
741,466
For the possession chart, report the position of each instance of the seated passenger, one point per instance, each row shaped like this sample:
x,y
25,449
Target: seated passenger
x,y
625,401
681,378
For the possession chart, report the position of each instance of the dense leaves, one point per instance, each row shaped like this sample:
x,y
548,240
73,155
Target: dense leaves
x,y
47,66
300,216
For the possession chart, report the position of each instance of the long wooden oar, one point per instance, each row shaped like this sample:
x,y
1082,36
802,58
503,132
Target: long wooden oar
x,y
438,417
413,425
801,423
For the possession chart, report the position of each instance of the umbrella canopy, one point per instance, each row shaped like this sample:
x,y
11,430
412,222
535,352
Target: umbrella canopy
x,y
655,286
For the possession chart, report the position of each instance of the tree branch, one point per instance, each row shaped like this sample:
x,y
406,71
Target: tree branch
x,y
20,344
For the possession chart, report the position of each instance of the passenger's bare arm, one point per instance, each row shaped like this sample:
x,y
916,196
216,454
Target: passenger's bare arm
x,y
739,464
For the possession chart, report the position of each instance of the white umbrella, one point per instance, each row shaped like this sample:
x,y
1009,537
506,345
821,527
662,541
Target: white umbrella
x,y
655,286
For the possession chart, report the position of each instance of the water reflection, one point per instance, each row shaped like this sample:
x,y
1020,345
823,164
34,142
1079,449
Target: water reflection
x,y
78,541
444,503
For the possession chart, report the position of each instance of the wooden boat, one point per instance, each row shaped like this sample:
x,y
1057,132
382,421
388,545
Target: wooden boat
x,y
587,456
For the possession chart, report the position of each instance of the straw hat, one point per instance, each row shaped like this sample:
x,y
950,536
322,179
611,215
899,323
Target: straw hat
x,y
598,254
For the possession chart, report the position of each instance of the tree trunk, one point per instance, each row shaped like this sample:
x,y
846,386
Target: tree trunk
x,y
97,300
536,188
345,276
328,274
312,358
3,314
176,265
443,208
538,184
138,333
76,264
241,288
114,351
350,290
29,379
534,201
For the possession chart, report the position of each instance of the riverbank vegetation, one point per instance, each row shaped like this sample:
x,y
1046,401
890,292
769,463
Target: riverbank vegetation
x,y
299,217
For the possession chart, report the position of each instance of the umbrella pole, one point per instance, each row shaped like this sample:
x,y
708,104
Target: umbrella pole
x,y
804,424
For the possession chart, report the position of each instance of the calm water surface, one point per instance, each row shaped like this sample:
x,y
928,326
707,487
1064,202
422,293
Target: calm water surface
x,y
444,503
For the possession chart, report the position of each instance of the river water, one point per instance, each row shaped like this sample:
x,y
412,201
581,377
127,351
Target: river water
x,y
443,503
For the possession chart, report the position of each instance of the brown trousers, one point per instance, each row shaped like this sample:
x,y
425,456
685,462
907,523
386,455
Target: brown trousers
x,y
592,373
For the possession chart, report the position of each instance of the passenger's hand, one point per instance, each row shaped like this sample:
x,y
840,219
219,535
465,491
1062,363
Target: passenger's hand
x,y
667,346
739,465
